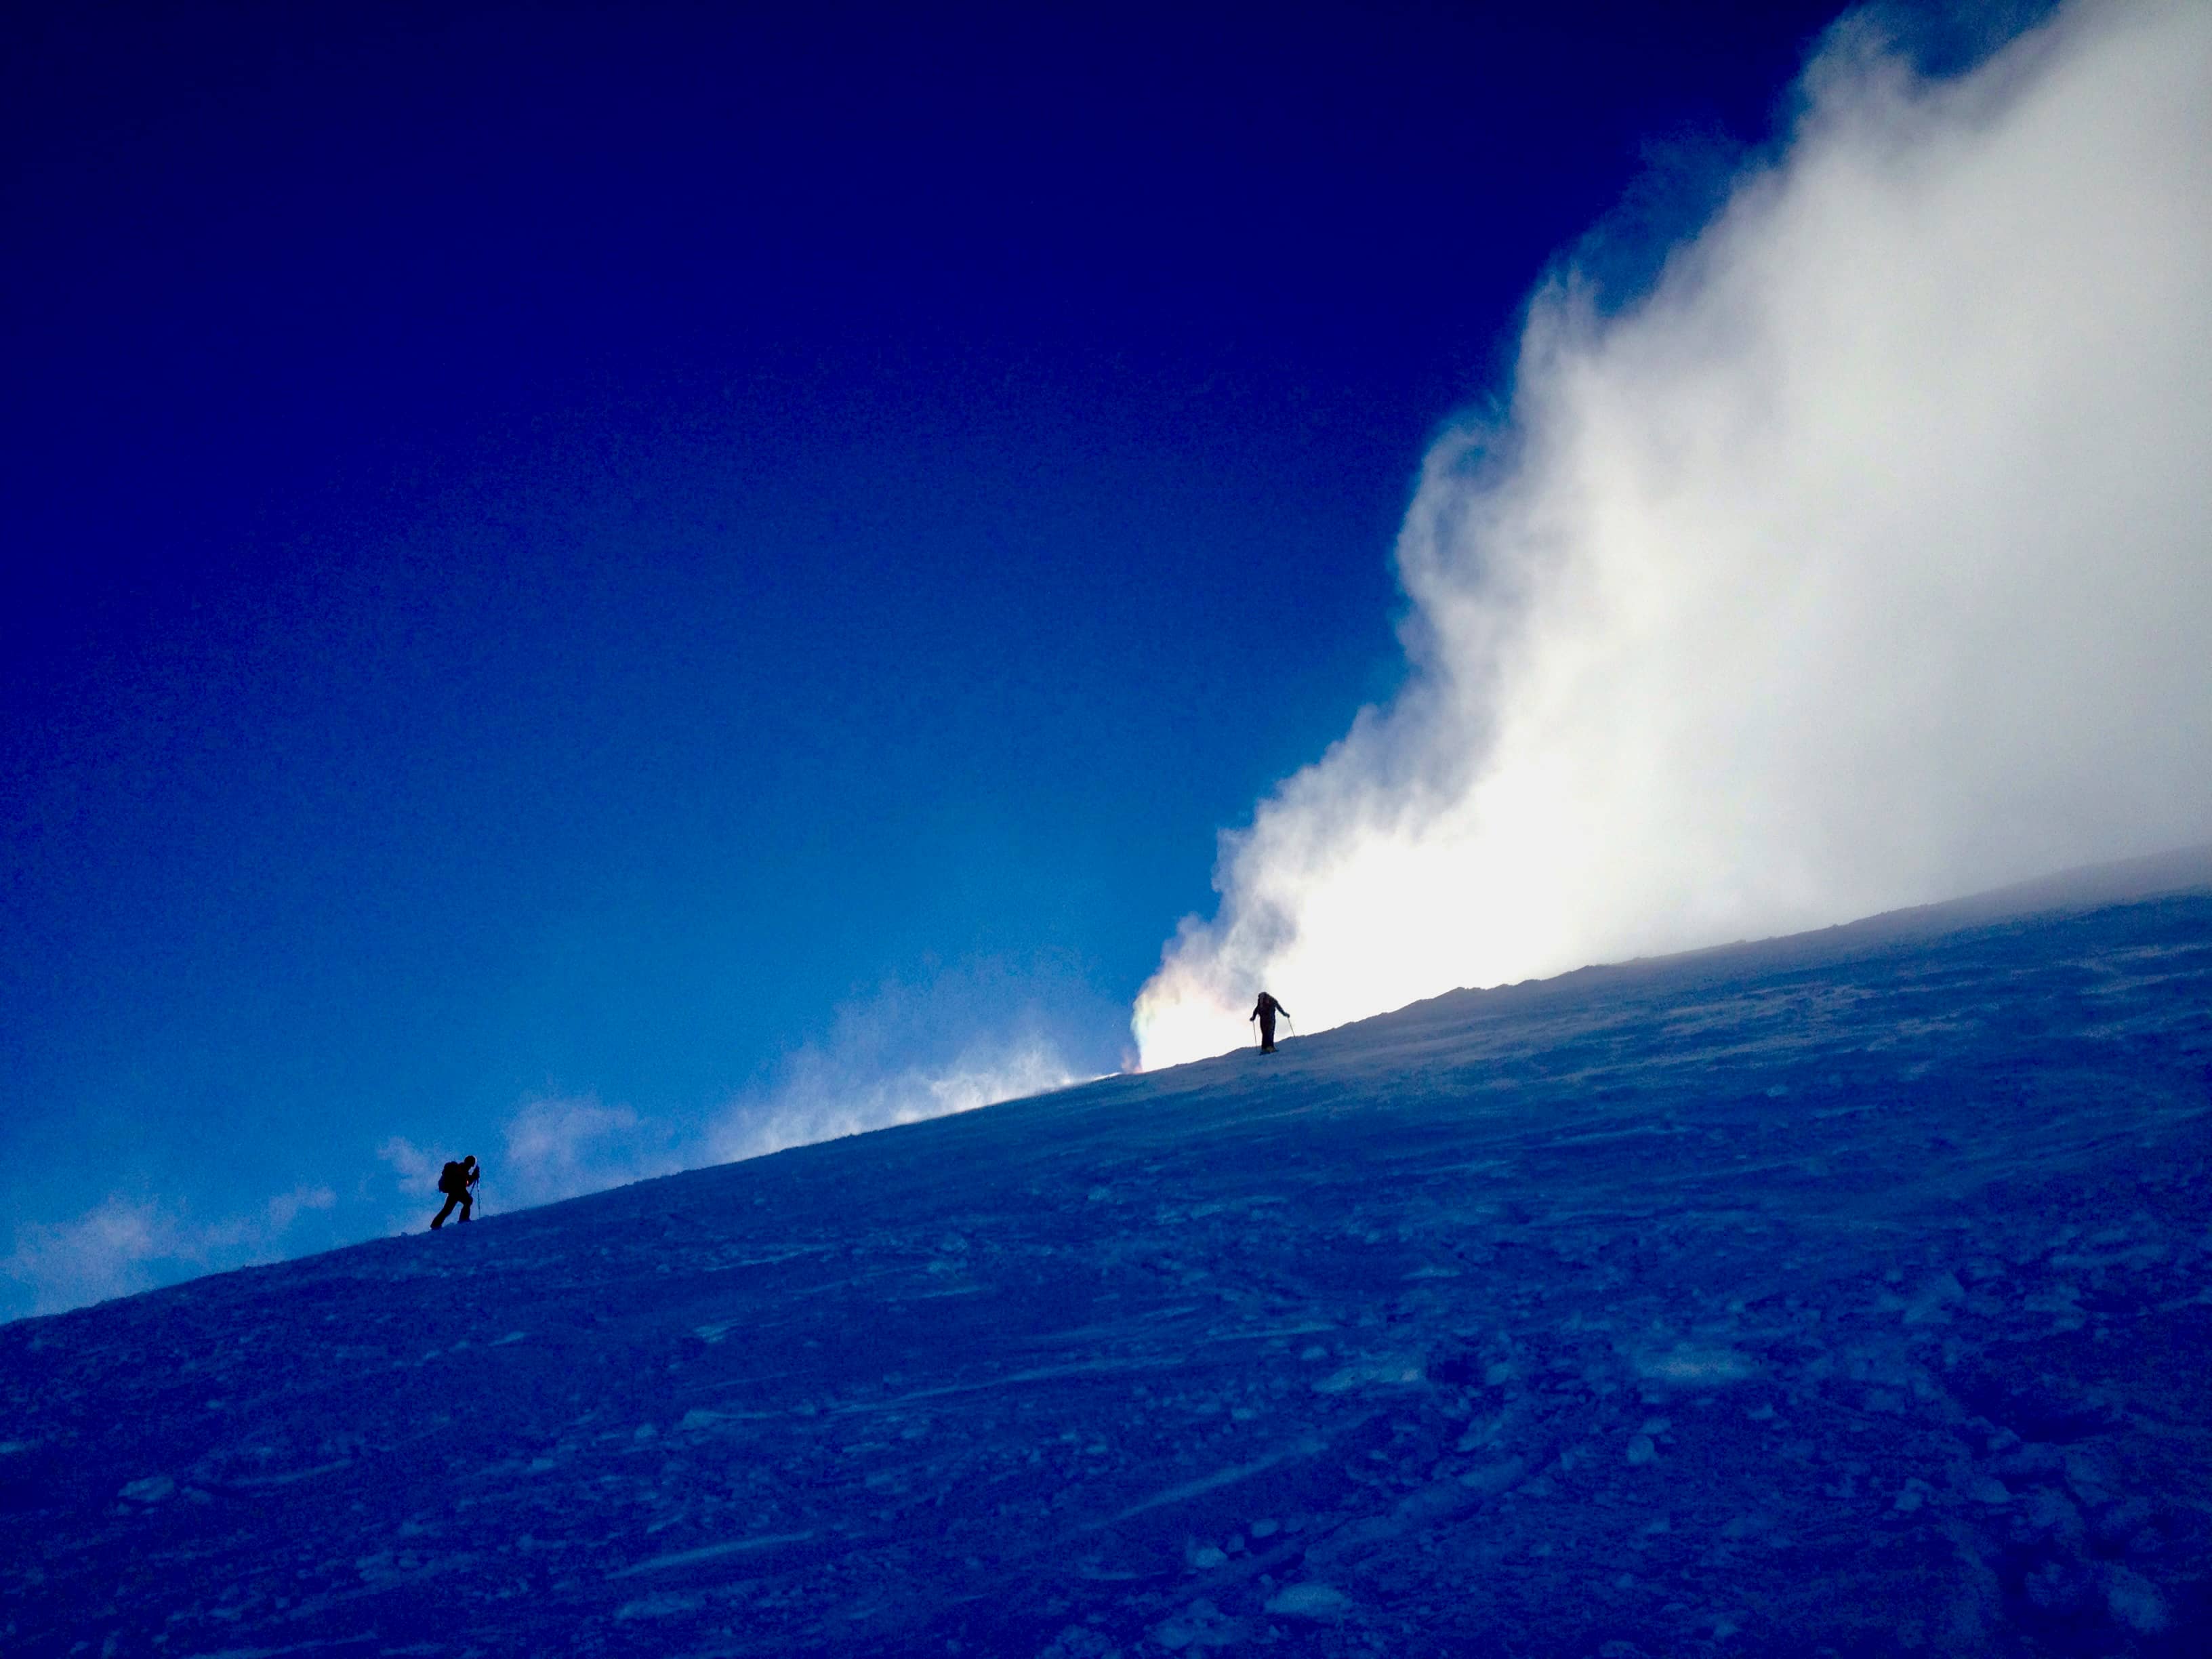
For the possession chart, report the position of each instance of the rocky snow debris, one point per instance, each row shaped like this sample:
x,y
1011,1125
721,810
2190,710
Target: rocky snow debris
x,y
1199,1627
2089,1476
2135,1602
1936,1297
1751,1525
2031,1463
1690,1367
1081,1641
1310,1600
2045,1514
1641,1451
1386,1373
2061,1588
656,1607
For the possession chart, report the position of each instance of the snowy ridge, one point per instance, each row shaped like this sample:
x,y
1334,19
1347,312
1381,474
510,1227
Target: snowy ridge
x,y
1849,1293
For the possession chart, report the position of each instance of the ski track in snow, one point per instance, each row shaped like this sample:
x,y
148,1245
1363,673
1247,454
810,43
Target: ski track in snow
x,y
1846,1294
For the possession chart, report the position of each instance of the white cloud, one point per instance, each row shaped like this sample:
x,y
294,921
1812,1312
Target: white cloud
x,y
1866,560
417,1170
124,1245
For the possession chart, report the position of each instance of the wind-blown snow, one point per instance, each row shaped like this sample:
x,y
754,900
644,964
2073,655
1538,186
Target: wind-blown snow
x,y
1848,1292
818,1099
1867,560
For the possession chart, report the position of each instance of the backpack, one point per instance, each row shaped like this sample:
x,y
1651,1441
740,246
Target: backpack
x,y
453,1179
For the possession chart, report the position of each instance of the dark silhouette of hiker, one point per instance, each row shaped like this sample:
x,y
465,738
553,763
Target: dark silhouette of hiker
x,y
1265,1011
455,1181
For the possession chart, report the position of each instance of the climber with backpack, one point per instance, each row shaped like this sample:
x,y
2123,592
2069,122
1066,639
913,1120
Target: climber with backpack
x,y
457,1181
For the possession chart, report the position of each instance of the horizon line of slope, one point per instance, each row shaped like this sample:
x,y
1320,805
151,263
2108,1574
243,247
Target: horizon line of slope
x,y
2177,870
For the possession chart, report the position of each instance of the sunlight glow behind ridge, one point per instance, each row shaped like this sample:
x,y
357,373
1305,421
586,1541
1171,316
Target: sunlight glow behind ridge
x,y
1866,560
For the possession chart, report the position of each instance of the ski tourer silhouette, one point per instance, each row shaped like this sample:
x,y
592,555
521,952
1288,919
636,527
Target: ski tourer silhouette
x,y
1265,1011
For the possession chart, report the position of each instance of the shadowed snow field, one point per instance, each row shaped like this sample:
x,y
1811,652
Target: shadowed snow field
x,y
1846,1293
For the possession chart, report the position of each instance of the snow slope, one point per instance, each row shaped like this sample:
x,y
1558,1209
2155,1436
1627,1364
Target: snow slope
x,y
1849,1293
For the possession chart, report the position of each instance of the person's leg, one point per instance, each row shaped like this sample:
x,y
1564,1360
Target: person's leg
x,y
438,1220
468,1203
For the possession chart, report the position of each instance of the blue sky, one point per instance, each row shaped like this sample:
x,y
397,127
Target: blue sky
x,y
620,557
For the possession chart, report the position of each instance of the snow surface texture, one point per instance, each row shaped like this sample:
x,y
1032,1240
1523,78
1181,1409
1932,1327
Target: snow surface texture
x,y
1849,1293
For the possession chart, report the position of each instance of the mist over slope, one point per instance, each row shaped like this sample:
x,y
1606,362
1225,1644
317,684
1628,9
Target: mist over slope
x,y
1848,1292
1861,562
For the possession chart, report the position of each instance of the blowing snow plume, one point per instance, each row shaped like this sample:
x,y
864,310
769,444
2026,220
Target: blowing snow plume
x,y
969,1035
1861,562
